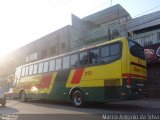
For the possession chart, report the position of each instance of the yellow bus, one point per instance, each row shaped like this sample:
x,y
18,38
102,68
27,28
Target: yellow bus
x,y
111,71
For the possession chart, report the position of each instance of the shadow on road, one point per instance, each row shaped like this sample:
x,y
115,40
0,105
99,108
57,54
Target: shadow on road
x,y
95,108
8,110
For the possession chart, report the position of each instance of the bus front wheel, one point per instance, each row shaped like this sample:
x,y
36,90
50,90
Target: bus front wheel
x,y
78,98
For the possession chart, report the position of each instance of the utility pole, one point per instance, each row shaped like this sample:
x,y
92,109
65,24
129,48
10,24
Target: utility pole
x,y
109,36
111,3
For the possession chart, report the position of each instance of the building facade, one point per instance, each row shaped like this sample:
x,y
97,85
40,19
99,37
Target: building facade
x,y
50,45
93,29
146,31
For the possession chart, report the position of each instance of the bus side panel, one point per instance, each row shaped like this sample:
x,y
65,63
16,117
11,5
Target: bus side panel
x,y
50,86
103,94
98,83
59,90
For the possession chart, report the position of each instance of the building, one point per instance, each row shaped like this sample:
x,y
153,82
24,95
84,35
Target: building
x,y
146,31
101,26
93,29
50,45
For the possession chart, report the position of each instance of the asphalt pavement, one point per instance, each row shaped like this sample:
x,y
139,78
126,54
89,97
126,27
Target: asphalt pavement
x,y
152,103
44,110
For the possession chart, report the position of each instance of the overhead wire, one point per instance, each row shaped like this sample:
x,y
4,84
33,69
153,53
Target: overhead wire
x,y
140,14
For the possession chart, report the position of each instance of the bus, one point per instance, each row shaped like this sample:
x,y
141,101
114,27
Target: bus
x,y
111,71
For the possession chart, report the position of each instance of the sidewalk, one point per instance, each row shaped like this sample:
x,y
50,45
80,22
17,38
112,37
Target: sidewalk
x,y
145,103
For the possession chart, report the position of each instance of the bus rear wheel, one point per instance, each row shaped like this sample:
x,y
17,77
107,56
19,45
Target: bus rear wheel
x,y
78,98
3,102
23,96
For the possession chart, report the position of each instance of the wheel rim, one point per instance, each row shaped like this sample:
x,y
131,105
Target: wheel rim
x,y
77,99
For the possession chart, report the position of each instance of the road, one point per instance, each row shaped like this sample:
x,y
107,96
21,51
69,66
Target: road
x,y
43,110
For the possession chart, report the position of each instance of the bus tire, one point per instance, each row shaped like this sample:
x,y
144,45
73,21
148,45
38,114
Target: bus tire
x,y
23,96
78,98
3,103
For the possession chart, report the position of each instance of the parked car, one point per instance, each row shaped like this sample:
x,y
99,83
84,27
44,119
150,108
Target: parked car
x,y
2,97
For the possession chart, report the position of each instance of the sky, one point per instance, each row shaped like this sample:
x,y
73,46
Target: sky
x,y
23,21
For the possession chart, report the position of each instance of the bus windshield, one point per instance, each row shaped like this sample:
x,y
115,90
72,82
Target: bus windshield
x,y
136,49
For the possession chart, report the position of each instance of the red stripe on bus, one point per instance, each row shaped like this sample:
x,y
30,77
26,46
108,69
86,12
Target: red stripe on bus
x,y
77,76
126,74
133,75
45,82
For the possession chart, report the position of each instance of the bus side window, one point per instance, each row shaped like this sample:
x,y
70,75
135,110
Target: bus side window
x,y
74,61
83,58
51,65
40,67
30,70
26,71
23,71
66,61
110,52
35,68
58,64
94,56
104,54
115,49
45,69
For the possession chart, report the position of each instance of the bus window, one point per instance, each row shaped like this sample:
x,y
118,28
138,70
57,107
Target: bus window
x,y
40,67
74,61
105,54
110,52
94,56
58,63
83,58
115,49
52,65
35,67
23,71
45,69
30,70
66,61
26,71
136,50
